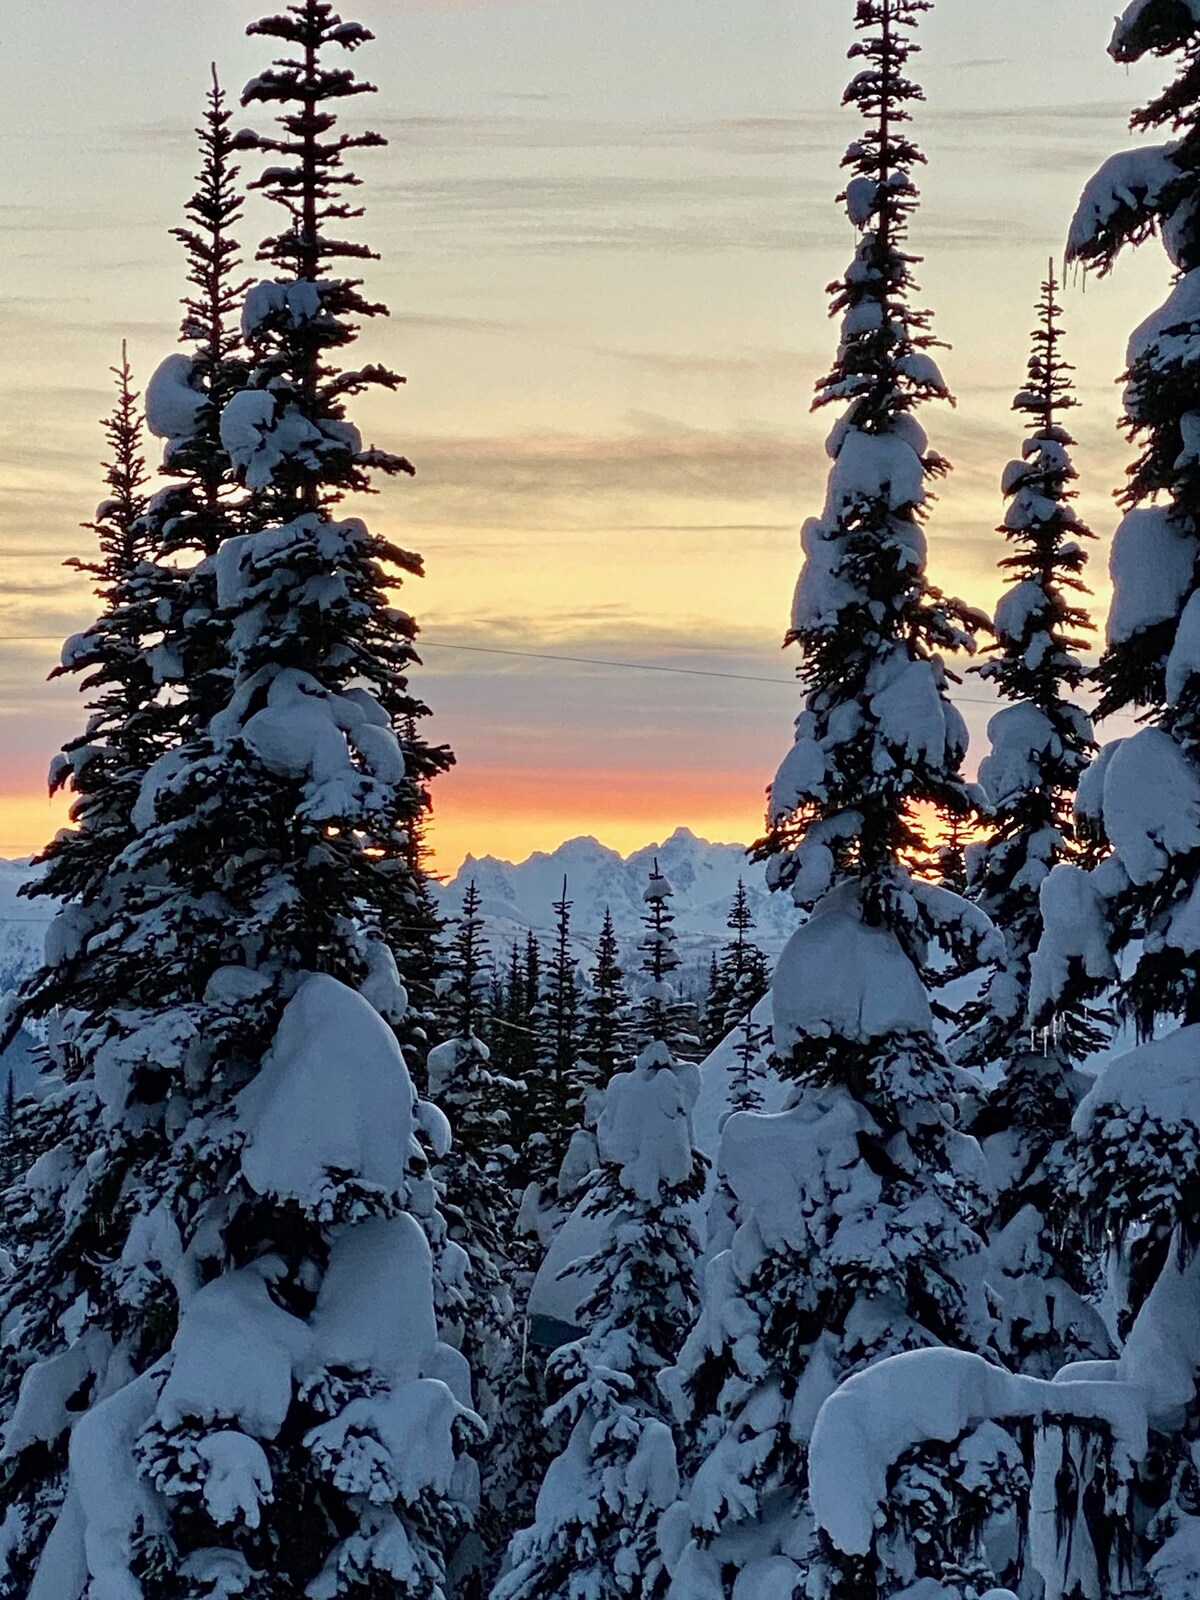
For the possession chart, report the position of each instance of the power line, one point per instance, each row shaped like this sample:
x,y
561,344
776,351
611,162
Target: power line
x,y
596,661
581,661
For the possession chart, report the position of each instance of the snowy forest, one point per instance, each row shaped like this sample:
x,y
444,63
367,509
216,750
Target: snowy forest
x,y
355,1250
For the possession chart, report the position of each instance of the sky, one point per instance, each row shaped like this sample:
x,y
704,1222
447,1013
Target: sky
x,y
606,228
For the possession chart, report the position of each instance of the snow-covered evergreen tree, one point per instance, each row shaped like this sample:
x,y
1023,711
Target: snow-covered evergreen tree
x,y
712,1013
414,928
478,1201
606,1011
556,1088
952,855
466,984
745,1086
189,389
1131,918
127,726
596,1528
221,1365
661,1015
853,1230
741,975
1041,742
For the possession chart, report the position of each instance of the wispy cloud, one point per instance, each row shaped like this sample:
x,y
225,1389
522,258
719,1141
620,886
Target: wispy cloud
x,y
546,477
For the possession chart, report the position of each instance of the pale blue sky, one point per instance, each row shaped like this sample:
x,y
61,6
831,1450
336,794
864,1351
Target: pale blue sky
x,y
606,229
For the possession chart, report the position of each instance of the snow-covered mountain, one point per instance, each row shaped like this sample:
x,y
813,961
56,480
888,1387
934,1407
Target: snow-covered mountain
x,y
518,897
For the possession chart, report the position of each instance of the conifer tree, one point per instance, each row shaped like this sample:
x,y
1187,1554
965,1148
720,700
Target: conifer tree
x,y
467,983
511,1016
414,928
606,1021
662,1016
595,1532
222,1371
745,1088
742,976
104,765
1041,742
605,1043
480,1213
1127,918
524,1034
558,1084
143,538
189,390
868,1245
952,856
713,1012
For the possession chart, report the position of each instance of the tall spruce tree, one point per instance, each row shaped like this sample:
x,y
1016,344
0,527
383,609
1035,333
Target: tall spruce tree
x,y
104,765
742,976
222,1372
557,1082
1130,918
606,1011
595,1532
855,1208
1041,742
146,543
480,1214
188,392
661,1015
605,1044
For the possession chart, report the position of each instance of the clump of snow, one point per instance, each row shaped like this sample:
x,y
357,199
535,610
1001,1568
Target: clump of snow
x,y
333,1097
173,402
259,435
374,1312
1172,333
62,1571
1021,611
878,1415
645,1128
1074,931
289,304
306,732
801,777
773,1164
871,467
116,1504
1162,1353
1184,661
821,592
861,196
234,1357
1151,804
1159,1080
1021,739
395,1445
40,1414
915,720
1152,562
237,1477
838,976
1131,181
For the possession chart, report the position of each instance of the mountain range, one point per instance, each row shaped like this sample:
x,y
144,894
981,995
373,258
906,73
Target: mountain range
x,y
517,898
